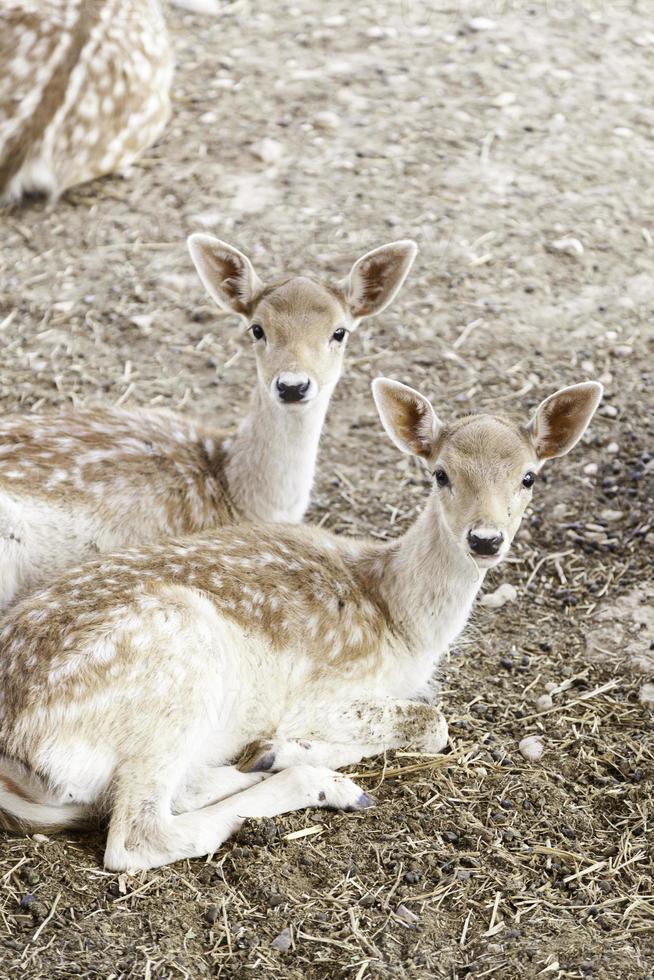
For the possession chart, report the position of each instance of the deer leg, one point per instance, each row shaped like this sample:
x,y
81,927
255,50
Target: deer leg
x,y
365,729
143,833
211,784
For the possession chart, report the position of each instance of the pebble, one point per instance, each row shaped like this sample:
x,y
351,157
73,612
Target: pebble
x,y
407,916
283,941
590,469
482,24
570,246
613,448
611,515
40,838
610,411
504,99
550,687
268,150
505,593
327,120
531,747
646,695
623,350
544,702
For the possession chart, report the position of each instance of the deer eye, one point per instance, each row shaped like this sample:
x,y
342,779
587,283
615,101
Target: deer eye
x,y
339,335
258,331
528,480
441,477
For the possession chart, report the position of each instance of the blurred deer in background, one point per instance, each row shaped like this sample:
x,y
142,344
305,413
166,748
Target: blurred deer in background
x,y
87,481
131,682
84,89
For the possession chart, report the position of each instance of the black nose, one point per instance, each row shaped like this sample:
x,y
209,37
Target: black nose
x,y
481,544
292,393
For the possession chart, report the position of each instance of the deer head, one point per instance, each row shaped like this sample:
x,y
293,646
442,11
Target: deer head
x,y
484,466
299,326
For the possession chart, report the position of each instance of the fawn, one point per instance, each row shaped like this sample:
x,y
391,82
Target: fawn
x,y
132,682
84,88
90,481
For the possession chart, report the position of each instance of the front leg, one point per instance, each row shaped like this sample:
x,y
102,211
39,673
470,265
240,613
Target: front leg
x,y
363,729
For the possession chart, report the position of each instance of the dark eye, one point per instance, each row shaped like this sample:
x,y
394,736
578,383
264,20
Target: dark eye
x,y
528,480
339,335
441,477
257,331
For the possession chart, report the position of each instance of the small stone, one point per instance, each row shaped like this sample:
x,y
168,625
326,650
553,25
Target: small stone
x,y
26,901
612,515
550,687
268,150
531,747
327,120
623,350
544,702
590,469
505,593
208,219
646,695
610,411
482,24
212,913
283,941
407,916
143,321
40,838
569,246
613,448
504,99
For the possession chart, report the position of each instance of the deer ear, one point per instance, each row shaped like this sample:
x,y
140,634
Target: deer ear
x,y
561,420
376,278
227,275
407,416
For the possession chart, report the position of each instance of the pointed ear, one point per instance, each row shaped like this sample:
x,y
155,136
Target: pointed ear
x,y
226,274
561,420
375,279
407,416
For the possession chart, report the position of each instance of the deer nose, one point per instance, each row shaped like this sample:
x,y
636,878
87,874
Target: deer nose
x,y
294,391
482,542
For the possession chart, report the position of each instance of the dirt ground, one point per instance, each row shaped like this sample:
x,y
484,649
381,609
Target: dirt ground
x,y
488,143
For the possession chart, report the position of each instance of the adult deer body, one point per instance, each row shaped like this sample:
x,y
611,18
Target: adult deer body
x,y
132,682
84,88
92,481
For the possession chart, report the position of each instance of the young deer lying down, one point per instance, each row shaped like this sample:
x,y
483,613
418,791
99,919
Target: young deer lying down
x,y
131,682
76,484
84,88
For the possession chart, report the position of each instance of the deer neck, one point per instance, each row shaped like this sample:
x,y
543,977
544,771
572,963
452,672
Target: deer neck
x,y
272,458
428,585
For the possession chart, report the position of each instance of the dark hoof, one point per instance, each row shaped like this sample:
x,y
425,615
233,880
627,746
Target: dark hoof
x,y
262,764
364,802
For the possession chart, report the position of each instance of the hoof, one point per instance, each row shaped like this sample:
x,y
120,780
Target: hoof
x,y
257,758
263,763
364,802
